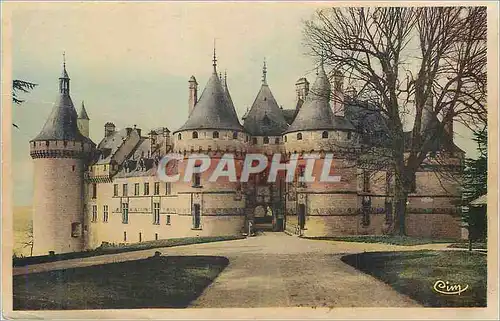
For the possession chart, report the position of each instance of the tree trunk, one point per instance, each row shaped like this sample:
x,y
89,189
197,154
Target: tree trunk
x,y
400,196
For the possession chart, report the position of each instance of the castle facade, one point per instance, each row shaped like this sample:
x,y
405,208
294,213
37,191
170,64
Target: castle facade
x,y
88,194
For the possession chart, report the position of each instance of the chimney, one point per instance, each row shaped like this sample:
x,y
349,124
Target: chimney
x,y
109,129
338,94
193,93
302,89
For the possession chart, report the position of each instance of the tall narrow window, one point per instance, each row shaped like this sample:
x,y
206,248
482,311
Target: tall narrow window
x,y
235,135
388,183
299,136
94,213
115,190
284,138
146,188
136,189
216,134
125,236
413,183
324,134
349,135
197,178
168,189
254,140
195,135
179,137
125,189
277,140
266,140
157,188
105,213
140,237
76,229
156,213
366,181
125,213
168,219
94,190
156,236
196,216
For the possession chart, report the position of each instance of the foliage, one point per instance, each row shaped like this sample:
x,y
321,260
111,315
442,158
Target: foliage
x,y
21,86
386,239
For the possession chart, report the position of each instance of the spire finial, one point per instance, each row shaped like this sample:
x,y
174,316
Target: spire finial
x,y
225,76
64,59
264,73
215,60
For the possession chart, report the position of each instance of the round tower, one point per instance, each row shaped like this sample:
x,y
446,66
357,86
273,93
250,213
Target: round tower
x,y
60,154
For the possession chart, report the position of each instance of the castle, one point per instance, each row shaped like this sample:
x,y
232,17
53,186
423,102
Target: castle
x,y
86,194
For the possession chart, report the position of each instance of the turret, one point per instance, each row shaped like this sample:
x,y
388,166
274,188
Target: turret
x,y
109,129
302,89
60,155
193,93
83,121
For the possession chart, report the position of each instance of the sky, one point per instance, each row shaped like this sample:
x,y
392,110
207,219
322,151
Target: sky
x,y
131,62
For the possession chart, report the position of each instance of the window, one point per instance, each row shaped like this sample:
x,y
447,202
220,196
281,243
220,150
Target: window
x,y
157,188
284,138
94,190
179,137
266,140
324,134
73,168
125,189
168,189
125,213
115,190
76,229
168,219
299,136
235,135
156,236
195,135
94,213
196,216
197,178
366,181
105,213
146,188
125,236
254,140
156,213
215,134
277,140
136,189
140,237
349,134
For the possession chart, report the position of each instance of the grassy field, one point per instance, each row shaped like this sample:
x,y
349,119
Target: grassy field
x,y
387,239
156,282
113,249
415,273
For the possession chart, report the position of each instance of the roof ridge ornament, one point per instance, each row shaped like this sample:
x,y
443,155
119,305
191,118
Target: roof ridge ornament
x,y
264,73
214,60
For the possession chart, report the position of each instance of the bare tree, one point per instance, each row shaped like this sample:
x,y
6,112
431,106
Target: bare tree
x,y
415,65
29,242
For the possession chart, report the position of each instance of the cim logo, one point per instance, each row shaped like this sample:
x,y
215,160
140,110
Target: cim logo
x,y
445,287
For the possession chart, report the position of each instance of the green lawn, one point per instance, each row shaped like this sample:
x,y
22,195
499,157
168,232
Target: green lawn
x,y
465,245
156,282
415,273
387,239
113,249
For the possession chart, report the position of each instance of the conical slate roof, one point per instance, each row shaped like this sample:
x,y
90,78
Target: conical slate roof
x,y
316,112
265,118
214,109
83,113
62,121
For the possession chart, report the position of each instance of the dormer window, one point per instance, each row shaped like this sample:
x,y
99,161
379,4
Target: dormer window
x,y
324,134
216,134
266,140
195,135
299,136
179,137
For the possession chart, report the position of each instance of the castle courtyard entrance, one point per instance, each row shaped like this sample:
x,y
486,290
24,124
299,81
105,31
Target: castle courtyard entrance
x,y
267,219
